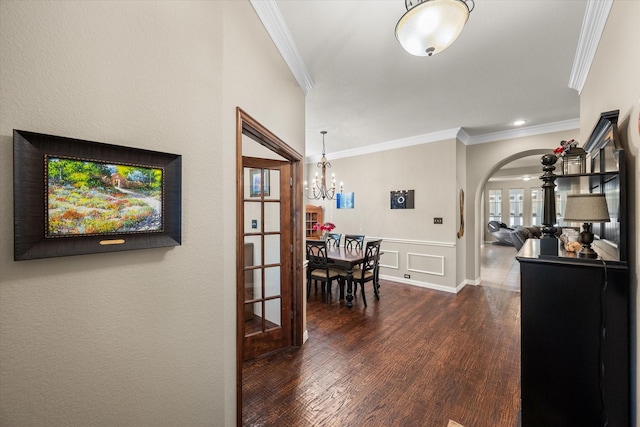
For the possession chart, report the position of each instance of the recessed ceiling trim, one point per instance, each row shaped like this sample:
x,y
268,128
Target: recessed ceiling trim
x,y
595,18
269,14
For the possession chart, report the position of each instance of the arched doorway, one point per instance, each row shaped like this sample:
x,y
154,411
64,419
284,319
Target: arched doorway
x,y
512,196
480,180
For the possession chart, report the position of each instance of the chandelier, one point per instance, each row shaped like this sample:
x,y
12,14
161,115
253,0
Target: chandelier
x,y
430,26
319,188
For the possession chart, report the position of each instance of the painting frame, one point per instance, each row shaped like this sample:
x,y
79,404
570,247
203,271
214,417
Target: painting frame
x,y
30,184
255,182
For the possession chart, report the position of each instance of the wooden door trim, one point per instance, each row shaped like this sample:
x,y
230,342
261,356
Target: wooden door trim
x,y
245,124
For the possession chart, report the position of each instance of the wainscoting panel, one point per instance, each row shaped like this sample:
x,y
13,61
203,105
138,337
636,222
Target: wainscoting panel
x,y
427,264
423,263
390,259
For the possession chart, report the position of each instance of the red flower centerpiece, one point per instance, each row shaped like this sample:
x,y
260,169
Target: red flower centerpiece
x,y
325,228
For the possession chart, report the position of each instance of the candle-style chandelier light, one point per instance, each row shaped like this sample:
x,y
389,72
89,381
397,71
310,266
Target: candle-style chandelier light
x,y
319,189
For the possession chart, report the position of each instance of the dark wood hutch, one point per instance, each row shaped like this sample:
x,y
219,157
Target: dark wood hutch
x,y
575,351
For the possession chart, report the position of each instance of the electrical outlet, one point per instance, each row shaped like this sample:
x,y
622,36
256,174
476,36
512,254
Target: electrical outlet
x,y
437,220
407,276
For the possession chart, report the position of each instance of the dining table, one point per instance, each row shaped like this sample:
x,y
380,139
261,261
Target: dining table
x,y
346,259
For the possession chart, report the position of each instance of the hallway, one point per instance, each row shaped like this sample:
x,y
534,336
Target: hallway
x,y
499,267
417,357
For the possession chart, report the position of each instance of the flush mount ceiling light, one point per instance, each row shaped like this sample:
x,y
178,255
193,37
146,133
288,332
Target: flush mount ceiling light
x,y
430,26
519,122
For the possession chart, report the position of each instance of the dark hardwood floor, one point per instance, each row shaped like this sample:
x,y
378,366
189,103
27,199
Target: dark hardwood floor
x,y
417,357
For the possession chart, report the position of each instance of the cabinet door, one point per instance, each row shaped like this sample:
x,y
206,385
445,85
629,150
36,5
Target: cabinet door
x,y
570,375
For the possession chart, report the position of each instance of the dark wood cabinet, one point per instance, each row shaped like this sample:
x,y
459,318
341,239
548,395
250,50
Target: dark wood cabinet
x,y
575,340
312,215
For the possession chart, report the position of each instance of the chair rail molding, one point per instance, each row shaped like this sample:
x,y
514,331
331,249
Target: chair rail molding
x,y
413,242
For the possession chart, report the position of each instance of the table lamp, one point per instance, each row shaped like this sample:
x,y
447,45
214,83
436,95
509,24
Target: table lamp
x,y
586,208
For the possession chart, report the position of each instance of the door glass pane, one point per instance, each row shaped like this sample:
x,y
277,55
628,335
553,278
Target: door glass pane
x,y
253,322
272,249
271,282
272,313
252,217
256,276
272,191
253,182
272,216
256,243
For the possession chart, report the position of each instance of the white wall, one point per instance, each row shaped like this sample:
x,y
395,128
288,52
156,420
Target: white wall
x,y
613,84
412,243
143,337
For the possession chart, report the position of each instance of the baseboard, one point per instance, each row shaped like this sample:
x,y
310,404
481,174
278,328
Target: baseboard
x,y
420,284
305,336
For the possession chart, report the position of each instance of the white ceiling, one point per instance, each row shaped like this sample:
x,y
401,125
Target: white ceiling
x,y
513,60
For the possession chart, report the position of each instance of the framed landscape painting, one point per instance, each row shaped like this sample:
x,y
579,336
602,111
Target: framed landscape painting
x,y
76,197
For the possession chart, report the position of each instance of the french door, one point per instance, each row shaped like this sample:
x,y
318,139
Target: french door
x,y
267,278
269,255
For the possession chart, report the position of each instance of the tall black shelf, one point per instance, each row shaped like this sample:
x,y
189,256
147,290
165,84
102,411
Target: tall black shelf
x,y
575,351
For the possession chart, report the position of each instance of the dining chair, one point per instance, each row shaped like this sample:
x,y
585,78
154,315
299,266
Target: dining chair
x,y
367,271
333,240
353,241
319,269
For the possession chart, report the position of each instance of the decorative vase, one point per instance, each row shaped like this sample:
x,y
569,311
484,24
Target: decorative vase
x,y
324,236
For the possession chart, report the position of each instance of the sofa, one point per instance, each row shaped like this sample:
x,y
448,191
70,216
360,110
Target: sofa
x,y
500,232
514,236
520,234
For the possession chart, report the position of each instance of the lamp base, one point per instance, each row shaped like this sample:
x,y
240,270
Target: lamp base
x,y
586,238
587,252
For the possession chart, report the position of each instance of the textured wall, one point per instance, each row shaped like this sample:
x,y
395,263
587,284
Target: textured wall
x,y
143,337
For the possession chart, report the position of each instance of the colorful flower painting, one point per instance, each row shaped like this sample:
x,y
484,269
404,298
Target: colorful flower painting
x,y
86,197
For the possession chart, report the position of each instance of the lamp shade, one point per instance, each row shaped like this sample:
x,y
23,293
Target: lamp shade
x,y
590,207
431,26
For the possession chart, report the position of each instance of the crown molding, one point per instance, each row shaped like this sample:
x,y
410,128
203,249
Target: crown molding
x,y
456,133
269,13
526,131
391,145
595,18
